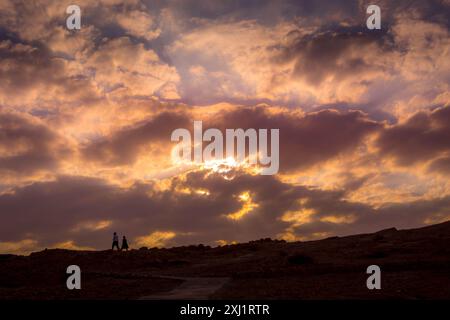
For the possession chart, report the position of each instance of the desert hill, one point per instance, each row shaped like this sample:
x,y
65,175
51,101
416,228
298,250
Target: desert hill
x,y
415,264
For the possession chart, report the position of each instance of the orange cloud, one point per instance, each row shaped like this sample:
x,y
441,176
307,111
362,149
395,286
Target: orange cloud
x,y
155,239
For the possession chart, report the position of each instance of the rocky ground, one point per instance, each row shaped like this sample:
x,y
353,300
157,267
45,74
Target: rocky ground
x,y
415,264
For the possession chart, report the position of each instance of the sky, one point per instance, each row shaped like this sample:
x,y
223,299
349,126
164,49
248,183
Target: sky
x,y
86,118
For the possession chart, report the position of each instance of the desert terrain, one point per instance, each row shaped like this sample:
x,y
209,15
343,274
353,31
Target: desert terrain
x,y
415,264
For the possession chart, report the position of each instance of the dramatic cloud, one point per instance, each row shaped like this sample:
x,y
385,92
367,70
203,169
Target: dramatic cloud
x,y
26,145
29,71
337,54
424,136
124,146
306,139
86,118
196,208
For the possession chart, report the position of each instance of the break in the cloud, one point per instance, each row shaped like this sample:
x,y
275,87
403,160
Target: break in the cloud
x,y
86,117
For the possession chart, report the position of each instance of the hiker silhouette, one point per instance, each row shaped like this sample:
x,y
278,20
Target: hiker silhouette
x,y
124,244
115,242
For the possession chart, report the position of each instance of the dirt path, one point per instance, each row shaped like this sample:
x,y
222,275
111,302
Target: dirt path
x,y
190,289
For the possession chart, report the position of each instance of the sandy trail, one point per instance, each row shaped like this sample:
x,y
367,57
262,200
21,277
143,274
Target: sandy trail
x,y
190,289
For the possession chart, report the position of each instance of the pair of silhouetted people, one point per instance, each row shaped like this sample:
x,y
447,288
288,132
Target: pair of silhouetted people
x,y
115,243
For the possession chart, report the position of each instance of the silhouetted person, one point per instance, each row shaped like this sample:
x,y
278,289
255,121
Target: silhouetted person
x,y
115,241
124,243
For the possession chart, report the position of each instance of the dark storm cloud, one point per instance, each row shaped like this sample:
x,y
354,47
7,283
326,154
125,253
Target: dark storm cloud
x,y
27,145
440,165
263,11
124,146
324,9
269,12
305,140
272,196
424,136
29,64
50,211
50,208
309,139
436,11
27,67
367,219
340,52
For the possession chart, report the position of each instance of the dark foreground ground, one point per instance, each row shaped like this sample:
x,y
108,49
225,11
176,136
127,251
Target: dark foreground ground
x,y
415,264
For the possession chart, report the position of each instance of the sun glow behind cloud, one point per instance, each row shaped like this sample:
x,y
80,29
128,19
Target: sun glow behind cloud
x,y
155,239
248,206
